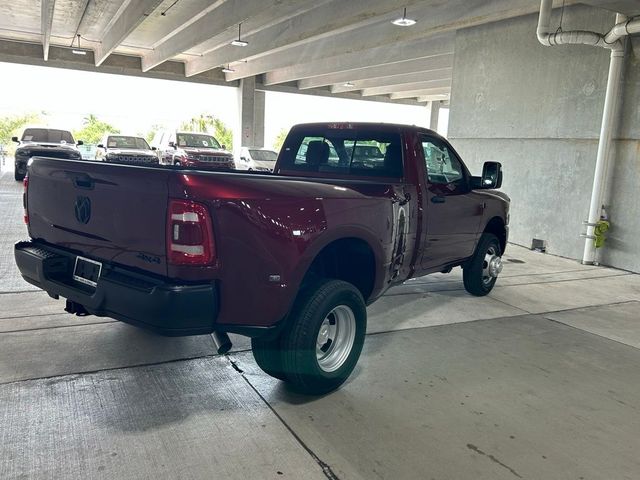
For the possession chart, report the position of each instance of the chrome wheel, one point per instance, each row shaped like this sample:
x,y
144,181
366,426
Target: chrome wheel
x,y
492,265
335,338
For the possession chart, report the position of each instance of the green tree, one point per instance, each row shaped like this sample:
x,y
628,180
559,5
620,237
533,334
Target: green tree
x,y
279,140
152,133
93,130
11,125
211,125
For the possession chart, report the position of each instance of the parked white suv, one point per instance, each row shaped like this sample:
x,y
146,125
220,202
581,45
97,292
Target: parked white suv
x,y
260,159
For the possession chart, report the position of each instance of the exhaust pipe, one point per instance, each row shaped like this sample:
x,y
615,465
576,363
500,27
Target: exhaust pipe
x,y
222,341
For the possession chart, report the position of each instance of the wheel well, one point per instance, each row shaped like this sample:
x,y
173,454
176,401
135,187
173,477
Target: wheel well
x,y
348,259
496,226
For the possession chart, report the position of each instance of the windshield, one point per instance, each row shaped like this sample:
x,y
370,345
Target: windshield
x,y
135,143
263,155
197,140
47,135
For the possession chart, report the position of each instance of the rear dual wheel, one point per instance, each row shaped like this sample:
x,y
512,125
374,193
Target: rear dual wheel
x,y
321,346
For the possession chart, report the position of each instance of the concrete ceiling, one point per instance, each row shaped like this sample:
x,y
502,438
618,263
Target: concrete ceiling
x,y
337,47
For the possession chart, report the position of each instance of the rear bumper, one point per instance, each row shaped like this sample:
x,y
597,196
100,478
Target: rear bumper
x,y
146,301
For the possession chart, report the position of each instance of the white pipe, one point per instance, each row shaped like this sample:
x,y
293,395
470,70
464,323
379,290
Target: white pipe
x,y
612,41
604,148
622,29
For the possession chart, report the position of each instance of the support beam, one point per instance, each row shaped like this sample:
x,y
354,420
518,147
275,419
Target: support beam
x,y
442,76
128,19
47,9
421,93
328,19
428,47
434,114
390,71
224,16
445,84
251,104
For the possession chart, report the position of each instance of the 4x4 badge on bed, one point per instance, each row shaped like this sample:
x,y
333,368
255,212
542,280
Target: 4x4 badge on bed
x,y
83,209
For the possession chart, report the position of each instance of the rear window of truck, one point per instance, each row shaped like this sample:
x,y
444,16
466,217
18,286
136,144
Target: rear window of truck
x,y
344,151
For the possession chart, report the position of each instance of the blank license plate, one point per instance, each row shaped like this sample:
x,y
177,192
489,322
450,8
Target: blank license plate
x,y
87,271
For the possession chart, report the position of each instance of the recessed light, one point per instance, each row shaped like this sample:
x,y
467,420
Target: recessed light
x,y
349,84
404,21
228,69
239,42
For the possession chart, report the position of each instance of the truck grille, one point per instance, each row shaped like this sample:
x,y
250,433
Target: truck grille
x,y
137,159
213,159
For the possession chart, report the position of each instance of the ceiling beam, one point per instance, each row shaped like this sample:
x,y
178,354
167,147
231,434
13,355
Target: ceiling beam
x,y
434,17
444,74
126,21
440,92
47,8
326,20
218,24
390,71
446,84
388,54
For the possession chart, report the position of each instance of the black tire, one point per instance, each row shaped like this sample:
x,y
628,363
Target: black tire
x,y
475,280
318,305
268,355
177,163
18,176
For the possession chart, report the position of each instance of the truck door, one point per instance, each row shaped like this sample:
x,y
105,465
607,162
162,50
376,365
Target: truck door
x,y
453,211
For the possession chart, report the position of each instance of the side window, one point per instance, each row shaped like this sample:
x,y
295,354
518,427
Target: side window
x,y
442,166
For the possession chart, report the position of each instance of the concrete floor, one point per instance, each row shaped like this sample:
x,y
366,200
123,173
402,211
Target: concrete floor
x,y
539,380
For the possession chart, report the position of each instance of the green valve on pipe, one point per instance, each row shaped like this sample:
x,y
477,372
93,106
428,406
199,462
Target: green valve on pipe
x,y
601,228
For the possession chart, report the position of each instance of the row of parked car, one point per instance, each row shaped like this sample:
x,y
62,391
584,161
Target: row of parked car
x,y
169,147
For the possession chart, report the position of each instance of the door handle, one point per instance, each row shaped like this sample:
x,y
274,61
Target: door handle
x,y
438,199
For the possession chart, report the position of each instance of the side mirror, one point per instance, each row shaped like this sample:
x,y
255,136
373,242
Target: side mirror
x,y
80,142
244,159
172,145
100,145
491,175
15,139
223,146
154,148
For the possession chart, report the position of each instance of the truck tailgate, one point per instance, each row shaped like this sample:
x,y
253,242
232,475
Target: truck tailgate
x,y
107,212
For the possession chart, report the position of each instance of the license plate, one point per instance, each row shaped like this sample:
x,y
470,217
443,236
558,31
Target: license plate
x,y
87,271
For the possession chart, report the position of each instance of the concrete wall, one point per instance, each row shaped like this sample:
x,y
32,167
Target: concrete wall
x,y
538,111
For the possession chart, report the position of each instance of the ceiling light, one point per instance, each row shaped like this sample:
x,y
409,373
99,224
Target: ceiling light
x,y
239,42
228,69
349,84
78,51
404,21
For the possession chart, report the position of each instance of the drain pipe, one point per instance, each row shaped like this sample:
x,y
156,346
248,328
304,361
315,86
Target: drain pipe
x,y
612,41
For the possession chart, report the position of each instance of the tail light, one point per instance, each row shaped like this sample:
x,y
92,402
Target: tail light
x,y
24,199
189,234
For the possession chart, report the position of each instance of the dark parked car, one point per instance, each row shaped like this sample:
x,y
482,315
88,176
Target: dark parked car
x,y
43,142
126,149
290,259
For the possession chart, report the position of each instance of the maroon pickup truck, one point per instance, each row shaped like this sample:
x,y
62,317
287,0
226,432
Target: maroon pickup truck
x,y
290,259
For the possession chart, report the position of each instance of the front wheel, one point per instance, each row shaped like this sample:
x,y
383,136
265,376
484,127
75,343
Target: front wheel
x,y
19,176
322,344
481,272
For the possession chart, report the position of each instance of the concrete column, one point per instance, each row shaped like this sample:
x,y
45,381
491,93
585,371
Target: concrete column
x,y
251,104
434,115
